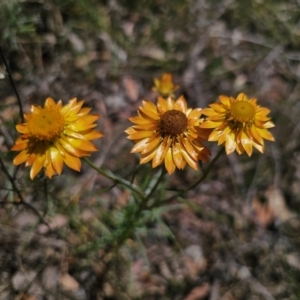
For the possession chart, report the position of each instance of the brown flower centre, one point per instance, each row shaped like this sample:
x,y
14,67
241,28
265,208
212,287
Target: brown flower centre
x,y
242,111
173,122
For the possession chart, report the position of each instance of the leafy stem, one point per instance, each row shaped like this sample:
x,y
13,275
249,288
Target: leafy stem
x,y
108,174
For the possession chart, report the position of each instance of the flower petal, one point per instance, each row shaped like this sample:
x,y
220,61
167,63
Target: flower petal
x,y
72,162
21,158
37,166
180,104
56,160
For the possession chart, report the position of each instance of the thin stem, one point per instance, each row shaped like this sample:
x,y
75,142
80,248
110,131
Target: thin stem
x,y
12,84
162,174
16,190
108,174
206,171
182,192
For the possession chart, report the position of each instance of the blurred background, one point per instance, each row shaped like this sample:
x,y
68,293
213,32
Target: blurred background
x,y
234,237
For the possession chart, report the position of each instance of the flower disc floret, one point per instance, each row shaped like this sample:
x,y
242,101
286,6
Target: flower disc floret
x,y
54,135
242,111
173,122
46,124
168,133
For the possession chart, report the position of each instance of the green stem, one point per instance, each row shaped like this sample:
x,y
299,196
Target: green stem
x,y
205,172
108,174
115,240
182,192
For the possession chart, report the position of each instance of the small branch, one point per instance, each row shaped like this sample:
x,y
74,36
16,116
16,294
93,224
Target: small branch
x,y
203,177
12,84
108,174
16,190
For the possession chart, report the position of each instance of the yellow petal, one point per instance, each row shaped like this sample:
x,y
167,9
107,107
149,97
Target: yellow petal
x,y
252,132
209,112
269,124
72,162
177,156
83,112
37,166
261,117
217,117
230,144
181,105
194,114
150,113
170,103
239,148
56,160
80,126
266,134
64,142
21,158
35,109
152,145
150,106
141,135
49,171
50,102
20,145
147,157
225,100
71,103
74,134
22,128
260,148
218,107
246,142
242,97
82,144
189,148
130,130
89,119
148,126
60,148
138,120
169,164
162,105
74,110
210,124
222,137
140,146
263,111
161,151
189,160
31,159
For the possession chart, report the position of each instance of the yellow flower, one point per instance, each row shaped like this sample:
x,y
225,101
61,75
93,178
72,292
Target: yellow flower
x,y
54,135
165,85
167,132
239,123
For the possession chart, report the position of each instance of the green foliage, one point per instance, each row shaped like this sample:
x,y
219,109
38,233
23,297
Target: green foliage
x,y
16,22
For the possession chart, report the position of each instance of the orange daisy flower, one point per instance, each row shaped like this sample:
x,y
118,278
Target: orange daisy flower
x,y
239,123
56,134
168,132
165,85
